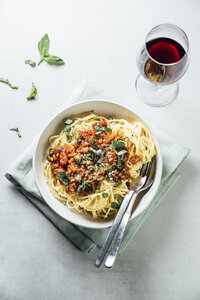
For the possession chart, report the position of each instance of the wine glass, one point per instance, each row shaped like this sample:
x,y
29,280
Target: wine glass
x,y
162,61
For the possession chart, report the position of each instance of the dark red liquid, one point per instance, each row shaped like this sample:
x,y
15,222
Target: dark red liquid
x,y
164,50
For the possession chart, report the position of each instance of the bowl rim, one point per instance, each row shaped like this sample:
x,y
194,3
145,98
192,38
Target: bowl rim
x,y
103,225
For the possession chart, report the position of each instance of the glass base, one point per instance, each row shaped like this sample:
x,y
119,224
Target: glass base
x,y
156,95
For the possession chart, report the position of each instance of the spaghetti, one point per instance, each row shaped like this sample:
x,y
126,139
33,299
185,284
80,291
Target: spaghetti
x,y
91,161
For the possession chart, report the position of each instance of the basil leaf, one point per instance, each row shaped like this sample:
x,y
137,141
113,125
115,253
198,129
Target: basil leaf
x,y
110,177
33,92
78,138
70,135
79,120
121,152
54,60
97,152
85,185
73,131
119,161
89,156
43,45
107,128
63,177
117,145
121,199
9,83
67,128
101,157
92,141
105,168
68,122
101,129
30,62
17,131
60,149
115,205
105,195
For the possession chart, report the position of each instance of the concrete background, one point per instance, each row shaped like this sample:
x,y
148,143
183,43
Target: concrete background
x,y
98,40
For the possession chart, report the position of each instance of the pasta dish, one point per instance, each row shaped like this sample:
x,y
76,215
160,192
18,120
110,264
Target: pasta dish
x,y
91,161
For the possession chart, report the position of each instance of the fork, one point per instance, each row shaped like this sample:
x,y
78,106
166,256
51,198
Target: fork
x,y
120,223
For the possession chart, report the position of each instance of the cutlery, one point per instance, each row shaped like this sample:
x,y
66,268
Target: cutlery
x,y
119,225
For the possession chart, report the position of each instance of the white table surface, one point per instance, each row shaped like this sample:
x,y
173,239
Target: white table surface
x,y
97,40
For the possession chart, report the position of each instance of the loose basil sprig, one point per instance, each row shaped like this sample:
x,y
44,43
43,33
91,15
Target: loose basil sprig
x,y
8,82
43,47
33,92
30,62
16,129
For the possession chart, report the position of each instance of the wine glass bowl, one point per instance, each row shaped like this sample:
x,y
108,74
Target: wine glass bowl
x,y
162,61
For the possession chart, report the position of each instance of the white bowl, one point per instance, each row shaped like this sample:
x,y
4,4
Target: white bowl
x,y
104,108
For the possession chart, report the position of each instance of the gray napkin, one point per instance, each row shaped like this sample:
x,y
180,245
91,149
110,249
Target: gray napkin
x,y
21,175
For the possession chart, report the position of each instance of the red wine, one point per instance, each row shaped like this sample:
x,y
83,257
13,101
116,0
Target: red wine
x,y
165,50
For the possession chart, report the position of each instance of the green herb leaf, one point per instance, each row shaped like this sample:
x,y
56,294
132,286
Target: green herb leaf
x,y
97,152
43,45
68,122
110,177
102,129
119,161
89,156
67,128
60,149
101,157
115,205
54,60
78,138
33,92
96,168
79,120
85,185
117,145
92,142
8,82
17,131
121,152
105,195
121,199
105,168
107,128
70,135
63,177
30,62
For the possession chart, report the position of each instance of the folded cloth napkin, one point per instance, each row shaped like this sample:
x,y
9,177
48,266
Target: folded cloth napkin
x,y
20,174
